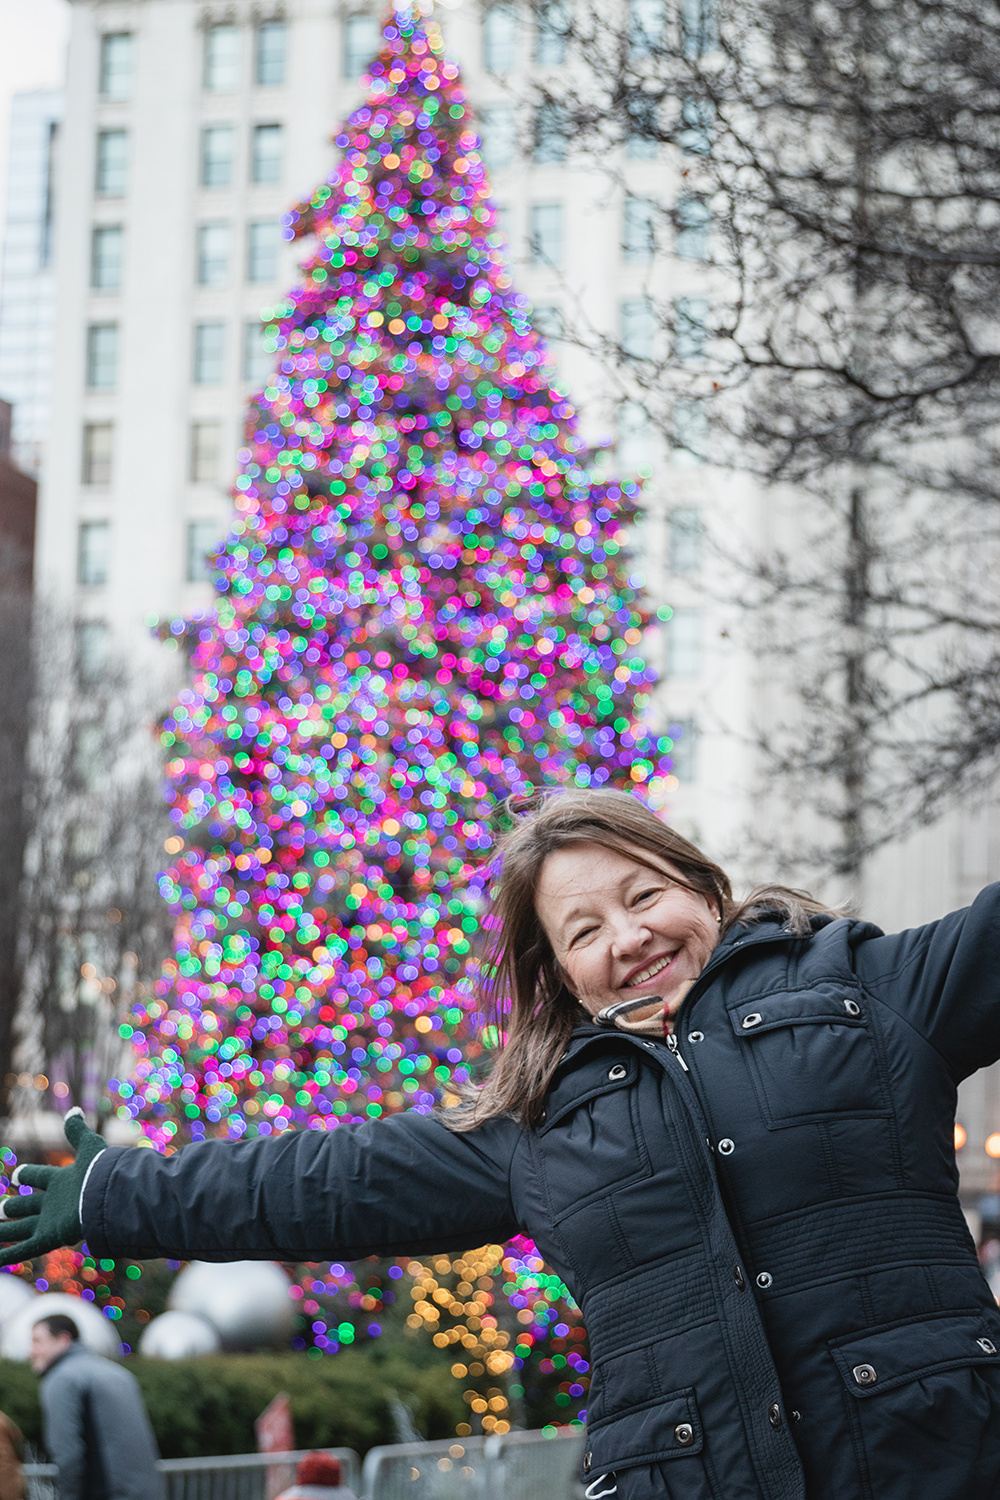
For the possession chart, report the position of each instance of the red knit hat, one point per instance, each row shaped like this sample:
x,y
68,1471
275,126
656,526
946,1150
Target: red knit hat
x,y
318,1468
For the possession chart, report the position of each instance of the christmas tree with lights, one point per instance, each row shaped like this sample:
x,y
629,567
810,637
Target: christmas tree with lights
x,y
424,608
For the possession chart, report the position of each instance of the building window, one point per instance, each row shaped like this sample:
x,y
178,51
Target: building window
x,y
111,177
257,360
690,432
91,643
635,438
552,29
116,65
684,753
647,27
698,121
684,632
202,541
549,322
499,137
267,146
102,356
262,251
685,533
638,229
500,36
690,318
206,438
218,149
213,254
93,547
222,59
550,135
546,234
272,37
209,350
361,42
106,252
96,453
699,27
693,218
637,328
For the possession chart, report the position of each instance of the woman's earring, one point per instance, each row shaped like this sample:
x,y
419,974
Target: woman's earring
x,y
718,917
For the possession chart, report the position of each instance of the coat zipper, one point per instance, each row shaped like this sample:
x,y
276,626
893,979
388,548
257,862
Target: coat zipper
x,y
673,1047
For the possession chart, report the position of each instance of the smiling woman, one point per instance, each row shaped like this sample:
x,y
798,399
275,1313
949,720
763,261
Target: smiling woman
x,y
601,910
728,1128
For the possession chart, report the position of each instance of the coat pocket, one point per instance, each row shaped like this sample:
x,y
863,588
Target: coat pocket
x,y
811,1056
652,1452
923,1400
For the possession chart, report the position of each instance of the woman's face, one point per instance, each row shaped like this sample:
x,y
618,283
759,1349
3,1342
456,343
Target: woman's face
x,y
620,930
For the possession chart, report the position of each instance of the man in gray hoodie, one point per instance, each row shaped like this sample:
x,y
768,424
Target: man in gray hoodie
x,y
96,1427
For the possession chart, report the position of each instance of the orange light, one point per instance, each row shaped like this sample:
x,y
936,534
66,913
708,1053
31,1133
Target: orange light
x,y
992,1146
960,1136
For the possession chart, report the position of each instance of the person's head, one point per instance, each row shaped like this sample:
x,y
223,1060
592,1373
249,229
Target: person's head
x,y
319,1468
51,1337
597,901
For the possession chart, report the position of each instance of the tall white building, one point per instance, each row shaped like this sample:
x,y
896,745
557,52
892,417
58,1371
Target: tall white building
x,y
191,125
27,281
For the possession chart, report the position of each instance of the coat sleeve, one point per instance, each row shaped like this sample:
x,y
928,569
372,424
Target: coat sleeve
x,y
944,981
64,1426
404,1185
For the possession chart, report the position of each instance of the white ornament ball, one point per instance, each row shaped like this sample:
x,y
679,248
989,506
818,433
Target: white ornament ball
x,y
247,1301
14,1294
178,1335
96,1331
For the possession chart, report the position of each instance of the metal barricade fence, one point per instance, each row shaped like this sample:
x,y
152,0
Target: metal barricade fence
x,y
455,1469
514,1466
533,1465
231,1476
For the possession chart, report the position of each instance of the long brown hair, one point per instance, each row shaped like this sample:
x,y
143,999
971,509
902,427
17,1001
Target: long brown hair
x,y
521,987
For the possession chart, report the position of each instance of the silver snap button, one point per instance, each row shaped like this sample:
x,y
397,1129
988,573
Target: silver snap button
x,y
864,1374
796,1416
739,1278
727,1147
542,1117
649,1045
618,1071
684,1434
852,1007
749,1022
586,1462
774,1415
765,1279
987,1346
696,1036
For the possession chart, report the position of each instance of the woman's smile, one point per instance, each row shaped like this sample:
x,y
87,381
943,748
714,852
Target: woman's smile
x,y
620,924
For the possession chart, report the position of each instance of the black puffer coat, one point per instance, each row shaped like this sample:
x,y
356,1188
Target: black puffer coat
x,y
763,1232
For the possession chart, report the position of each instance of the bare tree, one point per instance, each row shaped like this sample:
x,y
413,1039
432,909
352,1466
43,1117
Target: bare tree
x,y
838,178
92,928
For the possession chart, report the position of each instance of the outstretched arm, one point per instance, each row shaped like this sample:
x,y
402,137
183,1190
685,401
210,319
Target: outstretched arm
x,y
396,1186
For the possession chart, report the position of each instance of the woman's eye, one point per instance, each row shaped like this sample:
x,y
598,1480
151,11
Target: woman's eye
x,y
579,936
646,895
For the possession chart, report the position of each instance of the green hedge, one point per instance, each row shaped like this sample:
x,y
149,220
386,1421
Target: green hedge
x,y
206,1406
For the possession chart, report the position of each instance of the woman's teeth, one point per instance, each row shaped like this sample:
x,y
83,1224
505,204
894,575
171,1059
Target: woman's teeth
x,y
651,972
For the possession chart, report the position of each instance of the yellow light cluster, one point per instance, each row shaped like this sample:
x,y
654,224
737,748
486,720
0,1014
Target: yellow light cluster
x,y
474,1334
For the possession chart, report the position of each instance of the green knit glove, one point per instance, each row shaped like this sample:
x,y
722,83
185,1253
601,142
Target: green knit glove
x,y
50,1218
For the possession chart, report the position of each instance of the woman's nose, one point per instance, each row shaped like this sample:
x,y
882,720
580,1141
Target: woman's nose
x,y
630,936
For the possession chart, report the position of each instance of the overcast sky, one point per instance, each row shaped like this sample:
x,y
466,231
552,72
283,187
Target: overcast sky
x,y
33,36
